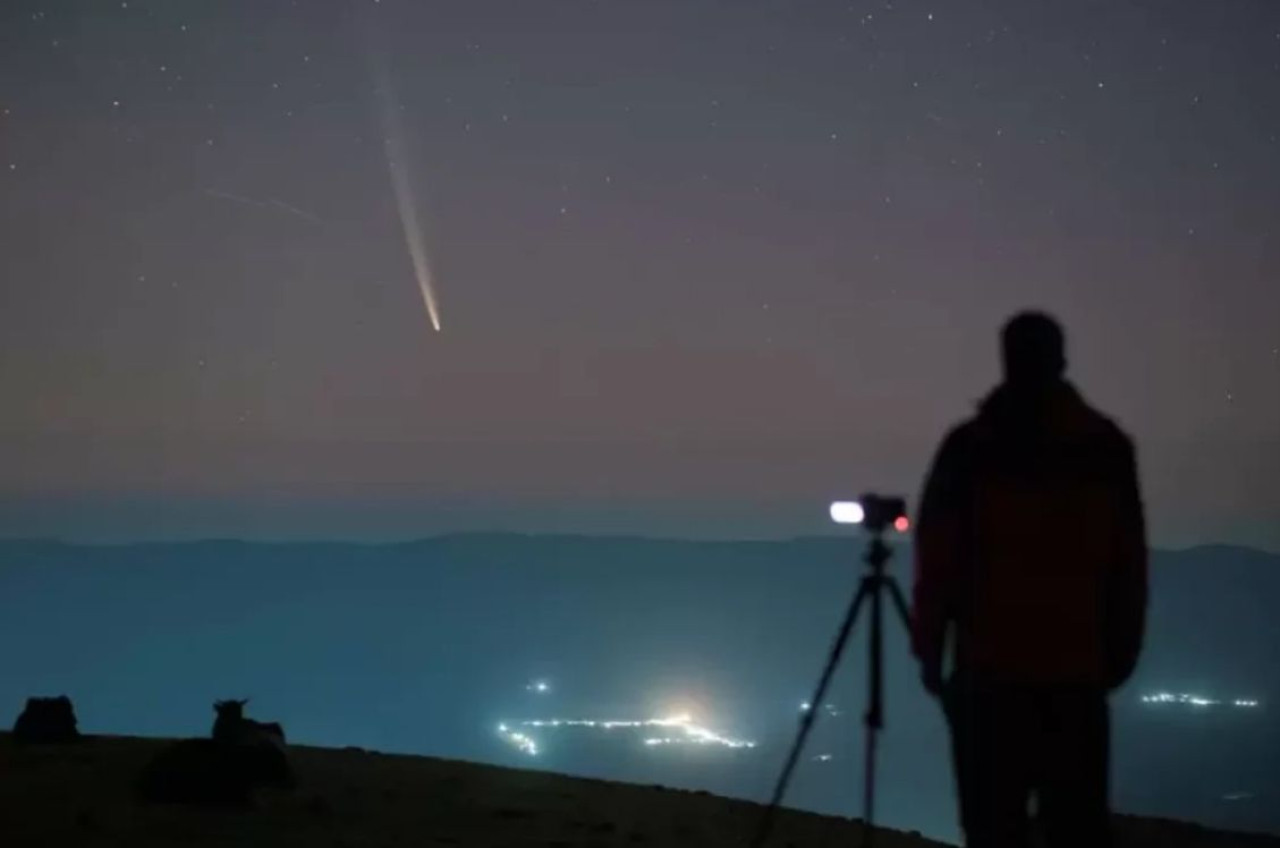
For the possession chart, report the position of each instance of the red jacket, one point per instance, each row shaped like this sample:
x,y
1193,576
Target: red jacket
x,y
1030,545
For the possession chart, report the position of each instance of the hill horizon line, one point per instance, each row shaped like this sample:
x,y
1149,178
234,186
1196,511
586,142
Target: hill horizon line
x,y
479,535
348,788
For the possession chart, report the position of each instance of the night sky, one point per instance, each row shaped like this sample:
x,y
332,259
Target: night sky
x,y
700,265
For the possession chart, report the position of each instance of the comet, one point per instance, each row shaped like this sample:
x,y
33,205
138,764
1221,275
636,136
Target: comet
x,y
406,206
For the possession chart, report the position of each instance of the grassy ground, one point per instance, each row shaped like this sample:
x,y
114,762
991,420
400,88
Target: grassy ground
x,y
82,795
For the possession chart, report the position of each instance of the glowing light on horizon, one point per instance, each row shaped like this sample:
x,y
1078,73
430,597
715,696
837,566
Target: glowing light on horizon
x,y
690,733
540,686
406,205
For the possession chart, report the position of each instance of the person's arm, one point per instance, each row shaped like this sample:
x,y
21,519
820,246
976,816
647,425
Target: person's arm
x,y
939,548
1126,603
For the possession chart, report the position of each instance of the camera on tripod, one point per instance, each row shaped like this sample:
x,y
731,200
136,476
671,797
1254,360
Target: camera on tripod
x,y
875,512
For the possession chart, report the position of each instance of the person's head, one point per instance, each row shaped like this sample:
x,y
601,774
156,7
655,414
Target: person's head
x,y
1033,350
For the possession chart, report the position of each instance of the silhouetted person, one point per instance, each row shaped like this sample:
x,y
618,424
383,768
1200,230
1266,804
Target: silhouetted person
x,y
1031,566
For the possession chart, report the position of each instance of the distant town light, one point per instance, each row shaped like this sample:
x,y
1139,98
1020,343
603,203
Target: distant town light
x,y
690,733
1197,701
522,742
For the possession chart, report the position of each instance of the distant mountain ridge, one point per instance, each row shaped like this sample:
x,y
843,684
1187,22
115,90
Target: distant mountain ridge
x,y
1206,548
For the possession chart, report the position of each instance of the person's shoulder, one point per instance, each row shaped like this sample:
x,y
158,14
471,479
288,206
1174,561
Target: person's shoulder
x,y
1108,431
962,432
961,440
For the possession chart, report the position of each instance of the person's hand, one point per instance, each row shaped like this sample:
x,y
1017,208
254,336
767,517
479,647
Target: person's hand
x,y
931,677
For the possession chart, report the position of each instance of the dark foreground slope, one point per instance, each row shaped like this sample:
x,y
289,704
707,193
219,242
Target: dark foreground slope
x,y
80,795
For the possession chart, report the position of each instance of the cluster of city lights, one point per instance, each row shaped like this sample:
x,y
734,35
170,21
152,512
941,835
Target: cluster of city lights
x,y
689,733
521,741
1200,701
829,709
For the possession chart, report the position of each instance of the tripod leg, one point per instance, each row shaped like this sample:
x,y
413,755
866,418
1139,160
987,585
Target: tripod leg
x,y
868,788
875,715
806,723
874,718
899,601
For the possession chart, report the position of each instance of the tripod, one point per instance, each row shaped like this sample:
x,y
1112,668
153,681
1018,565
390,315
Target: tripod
x,y
874,583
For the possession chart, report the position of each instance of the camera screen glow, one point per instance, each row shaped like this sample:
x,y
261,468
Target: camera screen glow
x,y
847,512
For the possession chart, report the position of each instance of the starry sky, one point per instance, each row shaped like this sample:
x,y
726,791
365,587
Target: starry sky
x,y
701,265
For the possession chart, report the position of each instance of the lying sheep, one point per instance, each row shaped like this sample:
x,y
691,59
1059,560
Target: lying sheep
x,y
46,721
232,725
224,770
